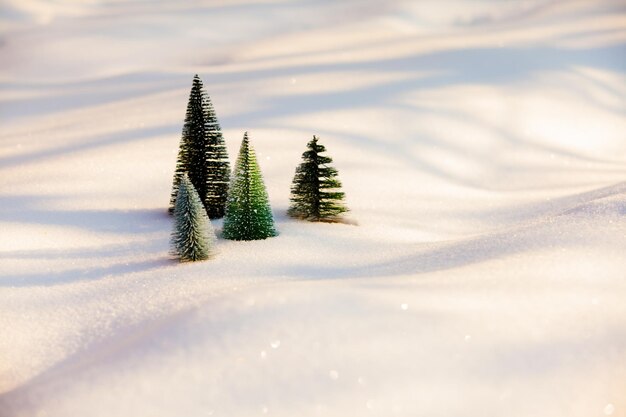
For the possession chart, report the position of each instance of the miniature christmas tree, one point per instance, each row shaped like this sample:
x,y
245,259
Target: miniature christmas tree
x,y
248,213
202,154
314,193
193,237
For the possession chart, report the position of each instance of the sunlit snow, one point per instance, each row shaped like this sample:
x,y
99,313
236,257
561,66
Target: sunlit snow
x,y
481,148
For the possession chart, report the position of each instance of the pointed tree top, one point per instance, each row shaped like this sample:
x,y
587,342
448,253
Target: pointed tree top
x,y
245,143
197,81
185,184
315,146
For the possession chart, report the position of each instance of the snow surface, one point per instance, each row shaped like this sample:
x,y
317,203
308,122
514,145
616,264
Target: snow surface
x,y
482,150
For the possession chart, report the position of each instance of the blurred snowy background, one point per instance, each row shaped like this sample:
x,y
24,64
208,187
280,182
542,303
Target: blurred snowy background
x,y
482,149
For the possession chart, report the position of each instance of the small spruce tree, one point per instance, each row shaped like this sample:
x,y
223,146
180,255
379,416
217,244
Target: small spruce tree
x,y
315,194
202,154
248,212
193,237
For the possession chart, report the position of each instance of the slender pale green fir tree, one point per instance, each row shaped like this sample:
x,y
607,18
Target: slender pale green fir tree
x,y
202,154
248,212
193,238
315,194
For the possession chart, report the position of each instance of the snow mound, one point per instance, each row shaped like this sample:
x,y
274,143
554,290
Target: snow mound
x,y
481,148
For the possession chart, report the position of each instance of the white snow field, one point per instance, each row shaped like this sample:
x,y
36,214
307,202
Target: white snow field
x,y
482,149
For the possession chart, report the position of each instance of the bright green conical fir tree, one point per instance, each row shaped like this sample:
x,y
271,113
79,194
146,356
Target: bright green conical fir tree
x,y
315,194
193,237
202,154
248,212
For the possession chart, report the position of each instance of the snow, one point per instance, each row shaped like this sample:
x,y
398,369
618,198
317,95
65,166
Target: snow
x,y
481,148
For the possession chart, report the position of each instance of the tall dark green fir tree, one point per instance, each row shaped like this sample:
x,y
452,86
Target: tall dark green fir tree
x,y
315,194
248,212
193,238
202,154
